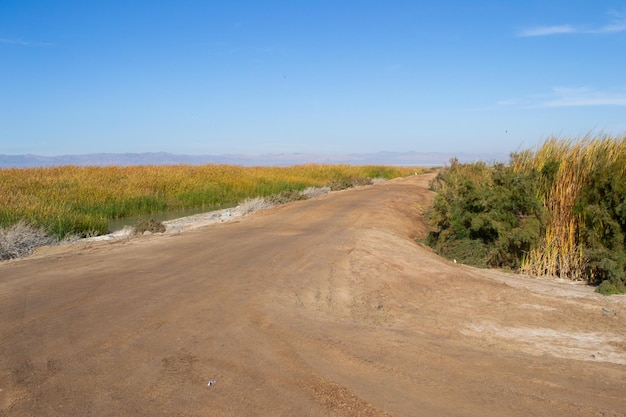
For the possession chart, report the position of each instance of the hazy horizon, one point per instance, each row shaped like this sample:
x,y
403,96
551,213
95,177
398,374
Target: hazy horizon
x,y
424,159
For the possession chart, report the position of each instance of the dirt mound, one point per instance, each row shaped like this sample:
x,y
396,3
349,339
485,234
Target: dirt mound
x,y
320,307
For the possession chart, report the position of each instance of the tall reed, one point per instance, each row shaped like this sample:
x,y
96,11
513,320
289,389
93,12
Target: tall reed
x,y
568,166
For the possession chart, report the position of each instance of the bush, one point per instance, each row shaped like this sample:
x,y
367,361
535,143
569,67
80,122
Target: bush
x,y
612,286
152,226
21,239
314,192
559,211
485,216
285,197
250,205
360,181
339,185
343,184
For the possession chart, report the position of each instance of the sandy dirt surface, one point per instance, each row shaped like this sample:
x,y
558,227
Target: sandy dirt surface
x,y
324,307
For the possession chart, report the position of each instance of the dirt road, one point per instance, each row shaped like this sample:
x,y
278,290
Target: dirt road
x,y
325,307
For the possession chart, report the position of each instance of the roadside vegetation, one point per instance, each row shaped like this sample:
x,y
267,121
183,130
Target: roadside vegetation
x,y
60,202
557,211
21,239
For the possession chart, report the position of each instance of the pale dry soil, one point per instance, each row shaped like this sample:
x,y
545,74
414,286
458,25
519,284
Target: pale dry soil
x,y
325,307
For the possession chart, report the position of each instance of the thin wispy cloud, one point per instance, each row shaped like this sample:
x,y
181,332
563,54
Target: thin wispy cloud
x,y
614,28
576,97
570,97
21,42
547,30
508,102
616,25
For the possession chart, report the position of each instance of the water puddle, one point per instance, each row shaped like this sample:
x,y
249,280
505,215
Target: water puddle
x,y
115,225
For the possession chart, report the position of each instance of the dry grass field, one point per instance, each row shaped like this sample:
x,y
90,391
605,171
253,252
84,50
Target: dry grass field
x,y
80,200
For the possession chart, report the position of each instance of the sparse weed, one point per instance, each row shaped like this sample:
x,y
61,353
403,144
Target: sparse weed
x,y
21,239
314,192
286,196
360,181
339,185
152,226
251,205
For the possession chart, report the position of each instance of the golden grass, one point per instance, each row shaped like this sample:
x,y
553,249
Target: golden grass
x,y
561,253
71,199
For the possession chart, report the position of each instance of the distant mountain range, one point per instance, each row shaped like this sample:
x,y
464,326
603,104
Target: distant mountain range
x,y
164,158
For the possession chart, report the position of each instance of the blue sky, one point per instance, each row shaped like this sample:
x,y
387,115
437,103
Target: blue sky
x,y
256,77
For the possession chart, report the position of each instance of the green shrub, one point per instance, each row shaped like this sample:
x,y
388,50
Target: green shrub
x,y
558,211
612,286
602,207
485,216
